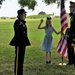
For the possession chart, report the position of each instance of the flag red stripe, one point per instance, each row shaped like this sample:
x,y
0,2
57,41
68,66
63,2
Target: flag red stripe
x,y
65,18
64,51
64,27
61,45
63,12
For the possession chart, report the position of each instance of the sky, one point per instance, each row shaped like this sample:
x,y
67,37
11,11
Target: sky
x,y
9,8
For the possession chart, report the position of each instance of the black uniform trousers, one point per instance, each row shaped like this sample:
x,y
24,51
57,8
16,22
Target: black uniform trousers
x,y
70,53
19,59
74,58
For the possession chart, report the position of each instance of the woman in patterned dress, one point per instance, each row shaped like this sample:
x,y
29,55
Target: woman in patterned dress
x,y
47,42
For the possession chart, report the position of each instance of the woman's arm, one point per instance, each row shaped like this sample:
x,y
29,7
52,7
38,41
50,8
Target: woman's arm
x,y
39,27
56,31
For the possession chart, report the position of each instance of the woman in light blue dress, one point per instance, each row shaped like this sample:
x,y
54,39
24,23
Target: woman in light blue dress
x,y
47,42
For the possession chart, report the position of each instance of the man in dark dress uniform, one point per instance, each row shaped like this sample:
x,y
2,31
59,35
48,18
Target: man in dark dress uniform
x,y
20,41
72,28
70,48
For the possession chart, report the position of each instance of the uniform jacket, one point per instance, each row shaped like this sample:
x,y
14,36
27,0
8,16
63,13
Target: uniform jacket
x,y
67,33
20,34
72,28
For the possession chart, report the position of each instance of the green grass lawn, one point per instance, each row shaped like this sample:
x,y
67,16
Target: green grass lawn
x,y
35,58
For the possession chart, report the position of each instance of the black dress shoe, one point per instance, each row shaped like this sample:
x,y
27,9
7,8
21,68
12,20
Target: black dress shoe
x,y
69,63
46,62
50,62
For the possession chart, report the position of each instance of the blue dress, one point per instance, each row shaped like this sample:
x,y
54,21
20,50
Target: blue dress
x,y
47,42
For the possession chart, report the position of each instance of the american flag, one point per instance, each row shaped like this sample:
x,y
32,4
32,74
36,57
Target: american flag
x,y
64,23
62,45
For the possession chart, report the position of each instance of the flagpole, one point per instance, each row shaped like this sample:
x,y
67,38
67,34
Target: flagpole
x,y
62,56
62,63
62,59
61,36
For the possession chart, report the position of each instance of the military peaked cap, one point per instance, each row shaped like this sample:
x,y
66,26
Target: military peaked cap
x,y
21,11
72,4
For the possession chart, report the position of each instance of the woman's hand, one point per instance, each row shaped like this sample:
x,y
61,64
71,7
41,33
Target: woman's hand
x,y
62,33
41,20
39,27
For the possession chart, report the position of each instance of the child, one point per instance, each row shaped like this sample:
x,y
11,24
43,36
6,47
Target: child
x,y
47,42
